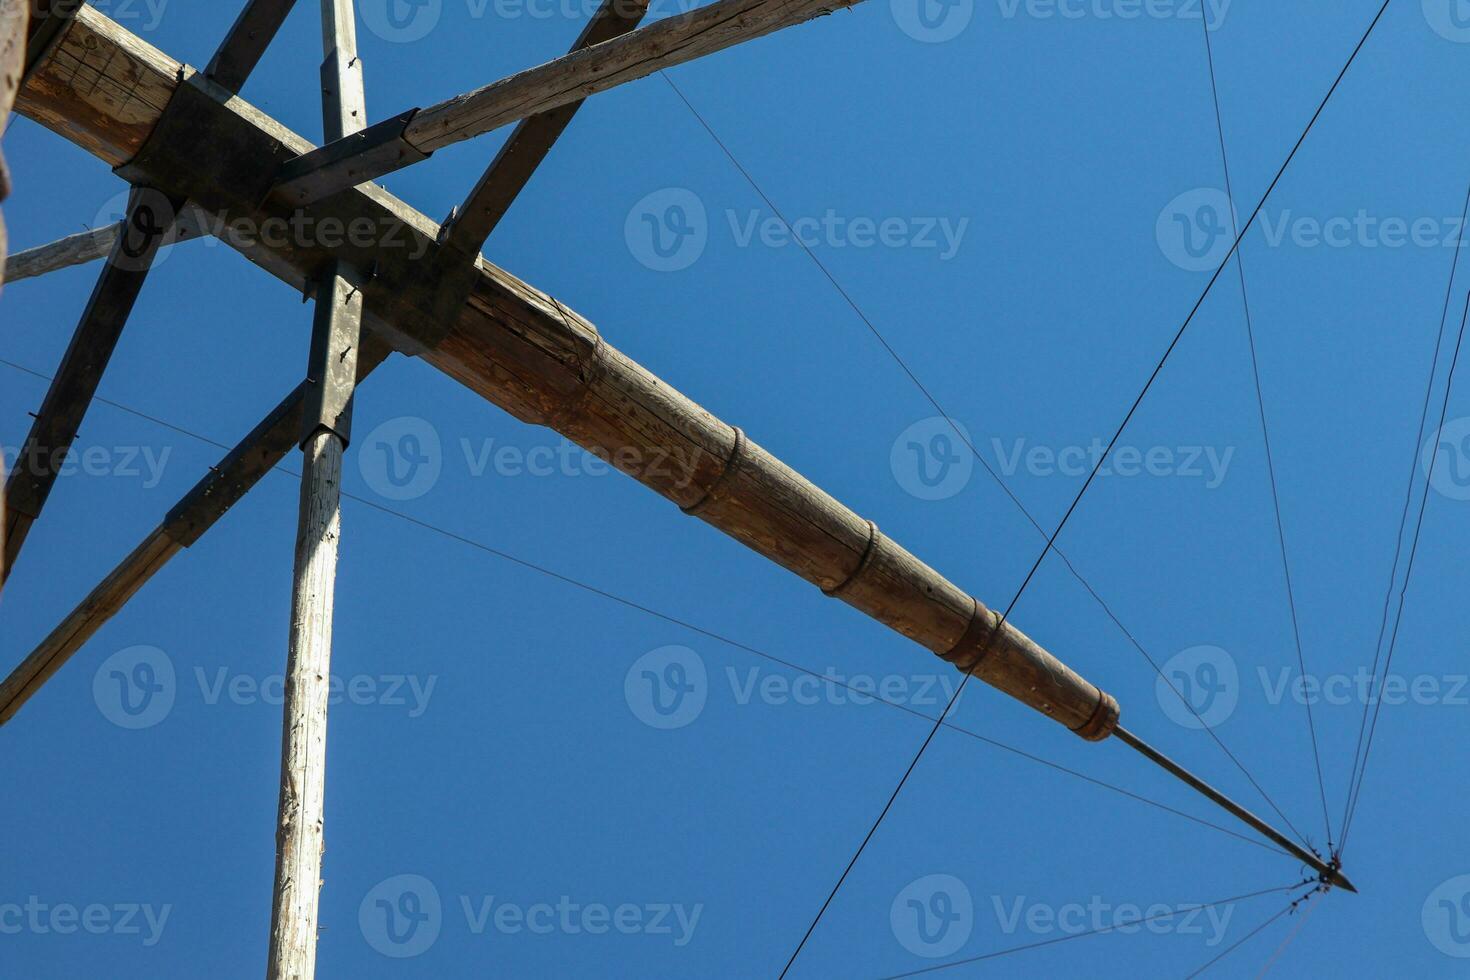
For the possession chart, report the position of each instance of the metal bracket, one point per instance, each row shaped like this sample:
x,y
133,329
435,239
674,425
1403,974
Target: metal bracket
x,y
336,338
347,162
206,148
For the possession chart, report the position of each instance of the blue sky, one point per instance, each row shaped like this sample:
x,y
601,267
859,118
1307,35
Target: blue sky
x,y
1004,189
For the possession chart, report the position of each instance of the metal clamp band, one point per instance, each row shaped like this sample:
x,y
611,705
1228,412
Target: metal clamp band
x,y
737,458
1104,718
863,563
974,644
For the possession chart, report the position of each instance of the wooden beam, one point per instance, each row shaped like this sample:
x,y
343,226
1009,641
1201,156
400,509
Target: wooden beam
x,y
508,174
245,44
149,220
262,449
566,80
150,214
14,20
545,364
331,371
96,243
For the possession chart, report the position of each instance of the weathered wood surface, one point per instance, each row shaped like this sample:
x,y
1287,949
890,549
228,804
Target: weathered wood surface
x,y
532,140
211,498
573,77
330,373
13,20
14,16
96,243
299,840
246,43
70,393
545,364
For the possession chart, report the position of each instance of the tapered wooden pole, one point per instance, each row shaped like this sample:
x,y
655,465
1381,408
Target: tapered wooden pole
x,y
330,373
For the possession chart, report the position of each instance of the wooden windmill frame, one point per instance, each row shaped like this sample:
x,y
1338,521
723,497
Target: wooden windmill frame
x,y
198,156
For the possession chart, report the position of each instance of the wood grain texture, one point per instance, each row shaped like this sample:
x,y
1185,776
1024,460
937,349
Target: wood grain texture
x,y
110,595
299,837
575,76
538,359
226,484
14,17
89,246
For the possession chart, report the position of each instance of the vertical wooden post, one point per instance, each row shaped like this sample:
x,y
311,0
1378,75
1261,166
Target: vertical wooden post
x,y
330,378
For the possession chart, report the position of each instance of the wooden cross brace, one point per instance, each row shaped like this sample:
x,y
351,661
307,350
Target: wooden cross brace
x,y
108,91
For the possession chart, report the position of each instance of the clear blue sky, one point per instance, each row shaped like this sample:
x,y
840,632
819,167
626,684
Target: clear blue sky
x,y
494,741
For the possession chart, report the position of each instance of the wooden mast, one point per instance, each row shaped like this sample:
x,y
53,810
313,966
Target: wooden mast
x,y
331,373
545,364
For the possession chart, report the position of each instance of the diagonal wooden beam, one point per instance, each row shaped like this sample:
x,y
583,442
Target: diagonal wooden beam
x,y
473,221
245,44
93,244
546,365
410,137
150,214
200,509
149,220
